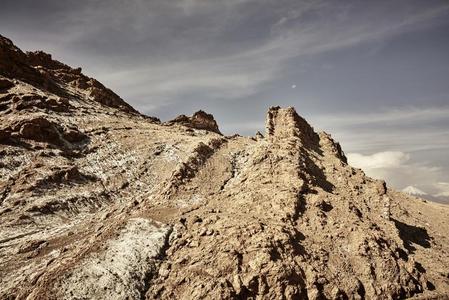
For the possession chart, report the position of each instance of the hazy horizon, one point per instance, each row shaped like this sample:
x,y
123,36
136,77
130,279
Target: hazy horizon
x,y
373,74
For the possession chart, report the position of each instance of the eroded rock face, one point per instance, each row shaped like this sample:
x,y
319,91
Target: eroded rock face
x,y
286,124
272,226
199,120
40,129
13,63
122,269
98,202
40,70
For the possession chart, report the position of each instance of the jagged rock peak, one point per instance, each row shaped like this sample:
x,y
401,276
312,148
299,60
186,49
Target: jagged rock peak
x,y
285,123
199,120
285,126
41,71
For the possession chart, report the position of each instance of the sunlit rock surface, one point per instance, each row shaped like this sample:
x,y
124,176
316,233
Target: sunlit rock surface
x,y
98,201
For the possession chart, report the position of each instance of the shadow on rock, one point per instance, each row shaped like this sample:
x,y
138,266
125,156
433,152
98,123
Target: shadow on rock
x,y
413,235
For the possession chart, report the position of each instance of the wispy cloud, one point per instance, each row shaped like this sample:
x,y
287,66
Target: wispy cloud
x,y
380,160
394,115
442,189
163,51
242,71
407,128
400,171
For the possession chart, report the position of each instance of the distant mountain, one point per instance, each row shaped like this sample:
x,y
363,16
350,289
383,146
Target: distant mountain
x,y
414,191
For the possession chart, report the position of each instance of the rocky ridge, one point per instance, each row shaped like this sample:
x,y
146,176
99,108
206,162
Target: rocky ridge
x,y
97,200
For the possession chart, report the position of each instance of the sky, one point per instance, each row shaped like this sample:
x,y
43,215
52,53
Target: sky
x,y
374,74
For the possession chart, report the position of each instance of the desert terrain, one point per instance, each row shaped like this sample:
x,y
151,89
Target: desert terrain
x,y
98,201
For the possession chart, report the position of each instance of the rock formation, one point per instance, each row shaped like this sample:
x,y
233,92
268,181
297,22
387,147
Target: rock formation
x,y
98,201
199,120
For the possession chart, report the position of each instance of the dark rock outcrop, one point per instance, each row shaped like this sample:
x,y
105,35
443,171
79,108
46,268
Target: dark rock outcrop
x,y
40,129
199,120
5,84
40,70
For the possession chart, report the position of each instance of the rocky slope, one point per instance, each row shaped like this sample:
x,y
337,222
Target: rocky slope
x,y
98,201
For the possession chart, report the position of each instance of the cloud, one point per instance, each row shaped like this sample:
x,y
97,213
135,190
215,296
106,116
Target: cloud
x,y
387,159
219,63
408,129
394,115
400,170
163,51
164,83
442,189
442,194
